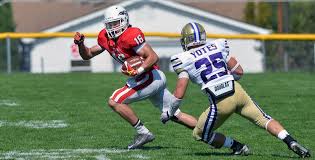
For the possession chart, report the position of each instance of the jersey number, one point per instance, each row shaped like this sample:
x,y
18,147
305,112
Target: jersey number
x,y
138,39
215,62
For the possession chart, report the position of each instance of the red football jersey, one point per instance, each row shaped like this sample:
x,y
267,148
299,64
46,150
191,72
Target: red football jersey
x,y
123,47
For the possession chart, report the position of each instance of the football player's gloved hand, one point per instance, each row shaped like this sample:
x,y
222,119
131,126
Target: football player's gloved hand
x,y
78,38
129,71
165,116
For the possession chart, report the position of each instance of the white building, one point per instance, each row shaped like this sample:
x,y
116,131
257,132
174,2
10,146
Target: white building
x,y
60,54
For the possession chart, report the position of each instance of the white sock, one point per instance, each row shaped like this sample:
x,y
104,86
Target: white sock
x,y
282,134
140,128
228,142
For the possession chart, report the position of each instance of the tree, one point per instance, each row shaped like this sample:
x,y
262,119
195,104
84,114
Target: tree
x,y
7,25
249,15
301,19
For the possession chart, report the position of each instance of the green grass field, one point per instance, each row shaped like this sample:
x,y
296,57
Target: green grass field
x,y
65,116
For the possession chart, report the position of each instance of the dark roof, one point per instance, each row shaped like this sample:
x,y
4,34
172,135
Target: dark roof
x,y
230,9
36,16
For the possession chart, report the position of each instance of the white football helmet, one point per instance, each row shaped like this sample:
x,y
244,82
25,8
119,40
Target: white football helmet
x,y
116,21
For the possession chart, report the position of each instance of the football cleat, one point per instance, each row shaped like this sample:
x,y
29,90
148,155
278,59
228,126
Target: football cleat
x,y
140,140
299,150
241,150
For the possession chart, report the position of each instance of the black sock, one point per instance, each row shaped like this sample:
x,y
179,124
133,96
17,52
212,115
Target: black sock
x,y
288,140
138,123
236,145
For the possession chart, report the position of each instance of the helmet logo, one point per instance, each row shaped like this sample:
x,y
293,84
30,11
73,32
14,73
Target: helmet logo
x,y
123,13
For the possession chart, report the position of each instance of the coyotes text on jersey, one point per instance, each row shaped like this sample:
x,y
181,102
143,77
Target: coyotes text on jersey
x,y
206,66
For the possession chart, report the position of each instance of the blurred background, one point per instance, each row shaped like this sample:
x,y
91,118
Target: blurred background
x,y
58,54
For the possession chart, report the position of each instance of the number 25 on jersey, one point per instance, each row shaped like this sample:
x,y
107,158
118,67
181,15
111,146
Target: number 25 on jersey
x,y
213,63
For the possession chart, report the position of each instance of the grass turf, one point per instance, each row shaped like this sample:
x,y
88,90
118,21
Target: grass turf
x,y
94,131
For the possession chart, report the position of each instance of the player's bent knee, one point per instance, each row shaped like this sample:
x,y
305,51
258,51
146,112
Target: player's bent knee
x,y
111,103
197,134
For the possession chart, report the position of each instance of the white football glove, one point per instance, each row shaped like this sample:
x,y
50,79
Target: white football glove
x,y
174,104
165,116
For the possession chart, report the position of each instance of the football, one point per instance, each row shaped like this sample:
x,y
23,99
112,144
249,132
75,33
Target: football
x,y
135,62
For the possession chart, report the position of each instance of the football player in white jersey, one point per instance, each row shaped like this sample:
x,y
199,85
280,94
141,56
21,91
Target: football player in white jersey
x,y
209,65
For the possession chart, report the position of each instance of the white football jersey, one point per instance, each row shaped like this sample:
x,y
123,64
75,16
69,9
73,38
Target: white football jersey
x,y
206,66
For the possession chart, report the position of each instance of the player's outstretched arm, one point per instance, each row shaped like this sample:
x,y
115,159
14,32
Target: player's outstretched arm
x,y
150,57
179,93
235,68
85,52
181,86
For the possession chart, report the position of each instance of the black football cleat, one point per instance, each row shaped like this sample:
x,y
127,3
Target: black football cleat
x,y
241,149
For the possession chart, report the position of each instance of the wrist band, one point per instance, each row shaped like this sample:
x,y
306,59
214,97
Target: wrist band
x,y
183,74
140,70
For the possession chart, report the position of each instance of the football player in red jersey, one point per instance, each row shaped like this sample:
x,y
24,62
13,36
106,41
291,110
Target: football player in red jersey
x,y
122,41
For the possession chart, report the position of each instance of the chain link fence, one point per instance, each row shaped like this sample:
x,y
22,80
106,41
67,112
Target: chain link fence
x,y
290,55
278,55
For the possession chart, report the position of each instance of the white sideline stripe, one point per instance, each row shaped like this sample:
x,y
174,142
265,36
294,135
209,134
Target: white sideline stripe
x,y
99,154
5,102
35,124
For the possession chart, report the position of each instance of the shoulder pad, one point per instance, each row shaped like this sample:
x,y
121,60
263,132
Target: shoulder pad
x,y
221,42
102,38
224,45
133,37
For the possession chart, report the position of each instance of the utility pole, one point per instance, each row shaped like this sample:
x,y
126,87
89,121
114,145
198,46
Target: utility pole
x,y
283,27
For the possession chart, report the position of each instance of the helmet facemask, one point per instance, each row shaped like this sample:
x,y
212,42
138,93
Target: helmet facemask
x,y
115,27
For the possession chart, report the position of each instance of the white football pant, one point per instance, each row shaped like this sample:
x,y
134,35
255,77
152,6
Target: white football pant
x,y
152,85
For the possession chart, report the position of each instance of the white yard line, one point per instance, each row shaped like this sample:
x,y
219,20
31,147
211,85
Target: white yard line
x,y
35,124
139,156
102,157
99,154
6,102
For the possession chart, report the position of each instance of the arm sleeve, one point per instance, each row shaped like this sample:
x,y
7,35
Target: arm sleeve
x,y
138,48
183,74
177,64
